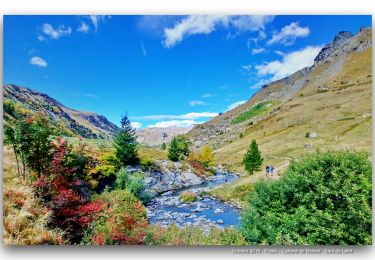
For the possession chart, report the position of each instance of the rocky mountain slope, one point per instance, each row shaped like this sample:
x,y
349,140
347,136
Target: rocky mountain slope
x,y
152,136
85,124
327,105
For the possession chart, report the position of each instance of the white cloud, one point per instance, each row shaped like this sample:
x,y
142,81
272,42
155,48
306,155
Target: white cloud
x,y
247,67
136,125
236,104
41,38
83,28
258,50
144,51
177,123
53,33
289,64
90,95
288,34
205,24
97,19
206,95
194,103
38,61
260,84
279,53
187,116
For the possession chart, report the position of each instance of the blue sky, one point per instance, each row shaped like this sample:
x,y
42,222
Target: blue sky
x,y
161,70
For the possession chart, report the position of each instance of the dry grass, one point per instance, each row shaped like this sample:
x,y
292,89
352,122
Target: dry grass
x,y
341,117
25,220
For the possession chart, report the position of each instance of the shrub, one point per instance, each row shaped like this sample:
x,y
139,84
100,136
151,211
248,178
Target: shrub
x,y
325,199
241,135
252,160
188,197
148,164
194,236
307,134
122,222
206,157
163,146
180,146
197,167
30,139
133,183
25,219
66,194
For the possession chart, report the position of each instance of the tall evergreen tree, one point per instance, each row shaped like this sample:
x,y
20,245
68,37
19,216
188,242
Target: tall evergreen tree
x,y
174,152
252,160
125,143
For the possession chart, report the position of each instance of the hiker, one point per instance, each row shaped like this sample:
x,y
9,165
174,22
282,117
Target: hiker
x,y
267,170
271,169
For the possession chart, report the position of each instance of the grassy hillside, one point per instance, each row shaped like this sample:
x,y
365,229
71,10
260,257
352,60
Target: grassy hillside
x,y
331,110
340,116
20,102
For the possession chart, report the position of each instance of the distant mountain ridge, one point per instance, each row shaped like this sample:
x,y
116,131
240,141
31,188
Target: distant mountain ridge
x,y
153,136
85,124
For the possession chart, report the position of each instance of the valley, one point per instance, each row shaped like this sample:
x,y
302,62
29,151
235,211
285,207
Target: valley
x,y
163,181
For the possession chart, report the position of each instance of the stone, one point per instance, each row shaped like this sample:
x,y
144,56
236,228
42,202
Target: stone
x,y
218,210
313,135
220,221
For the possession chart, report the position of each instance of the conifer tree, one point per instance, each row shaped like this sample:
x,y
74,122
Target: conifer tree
x,y
174,152
125,143
252,160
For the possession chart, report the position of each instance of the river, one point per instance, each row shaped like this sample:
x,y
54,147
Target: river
x,y
206,212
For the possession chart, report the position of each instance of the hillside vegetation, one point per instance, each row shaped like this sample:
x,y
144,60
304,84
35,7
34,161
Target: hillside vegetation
x,y
20,102
331,99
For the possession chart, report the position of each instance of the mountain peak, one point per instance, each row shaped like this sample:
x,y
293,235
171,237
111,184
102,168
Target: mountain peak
x,y
342,36
344,42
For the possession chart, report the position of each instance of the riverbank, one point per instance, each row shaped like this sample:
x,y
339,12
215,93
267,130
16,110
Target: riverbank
x,y
206,212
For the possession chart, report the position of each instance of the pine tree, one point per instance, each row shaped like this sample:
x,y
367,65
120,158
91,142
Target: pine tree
x,y
252,160
125,144
174,152
163,146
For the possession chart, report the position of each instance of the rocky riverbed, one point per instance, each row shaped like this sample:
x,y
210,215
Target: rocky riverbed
x,y
167,208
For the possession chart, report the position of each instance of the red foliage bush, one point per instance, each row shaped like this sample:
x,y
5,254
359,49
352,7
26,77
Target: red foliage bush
x,y
198,167
122,222
67,195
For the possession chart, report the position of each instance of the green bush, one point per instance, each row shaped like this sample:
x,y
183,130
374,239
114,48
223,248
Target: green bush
x,y
325,199
180,146
133,183
188,197
148,164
